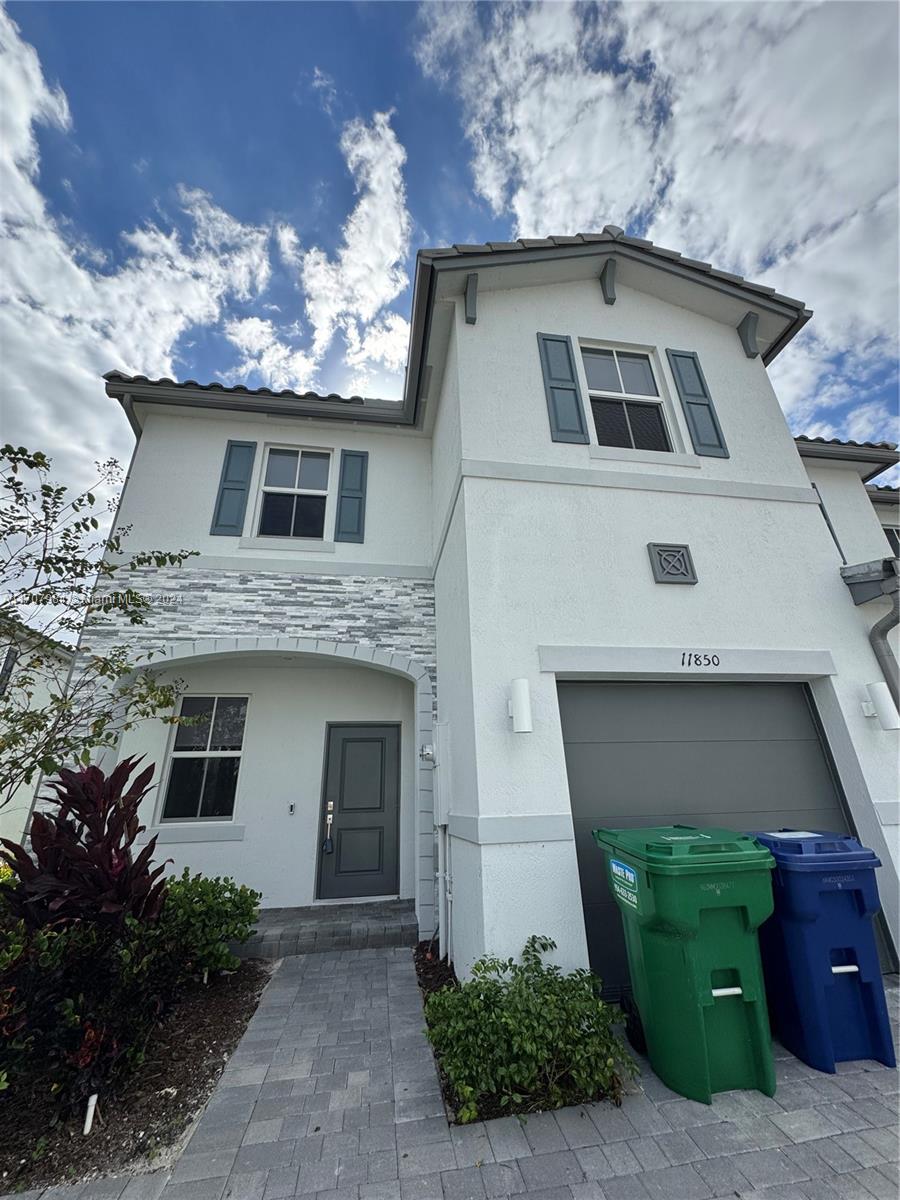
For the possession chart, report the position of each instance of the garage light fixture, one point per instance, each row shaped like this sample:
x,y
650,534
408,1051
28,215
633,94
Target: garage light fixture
x,y
520,706
881,705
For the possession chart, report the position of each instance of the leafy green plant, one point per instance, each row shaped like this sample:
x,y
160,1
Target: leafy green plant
x,y
81,862
200,917
526,1035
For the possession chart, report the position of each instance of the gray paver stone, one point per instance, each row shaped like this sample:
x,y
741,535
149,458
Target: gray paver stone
x,y
550,1170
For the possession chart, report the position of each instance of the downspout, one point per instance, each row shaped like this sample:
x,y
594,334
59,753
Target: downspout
x,y
878,638
871,581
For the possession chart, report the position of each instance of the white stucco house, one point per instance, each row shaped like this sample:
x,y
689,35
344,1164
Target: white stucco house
x,y
589,502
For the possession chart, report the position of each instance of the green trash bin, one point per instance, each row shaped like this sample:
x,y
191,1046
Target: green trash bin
x,y
691,903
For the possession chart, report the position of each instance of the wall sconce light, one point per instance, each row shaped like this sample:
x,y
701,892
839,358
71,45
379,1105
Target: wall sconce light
x,y
881,705
520,706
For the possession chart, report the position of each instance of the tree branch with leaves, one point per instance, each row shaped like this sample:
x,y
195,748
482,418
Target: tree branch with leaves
x,y
63,699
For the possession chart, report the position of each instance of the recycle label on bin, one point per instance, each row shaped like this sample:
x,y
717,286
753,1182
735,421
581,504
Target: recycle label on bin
x,y
624,882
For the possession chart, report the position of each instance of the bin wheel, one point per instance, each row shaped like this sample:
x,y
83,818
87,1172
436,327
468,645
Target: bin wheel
x,y
634,1026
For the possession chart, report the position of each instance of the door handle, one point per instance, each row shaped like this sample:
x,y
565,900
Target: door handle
x,y
328,843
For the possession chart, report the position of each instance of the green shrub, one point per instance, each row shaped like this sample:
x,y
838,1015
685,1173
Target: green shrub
x,y
199,919
94,944
526,1035
78,1001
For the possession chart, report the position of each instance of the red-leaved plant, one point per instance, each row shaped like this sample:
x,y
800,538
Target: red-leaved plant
x,y
81,863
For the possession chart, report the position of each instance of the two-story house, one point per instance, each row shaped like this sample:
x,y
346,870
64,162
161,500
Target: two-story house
x,y
581,575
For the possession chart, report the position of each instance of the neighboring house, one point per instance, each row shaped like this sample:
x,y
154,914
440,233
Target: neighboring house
x,y
17,652
588,500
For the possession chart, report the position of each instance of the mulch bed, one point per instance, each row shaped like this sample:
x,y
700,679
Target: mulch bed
x,y
153,1107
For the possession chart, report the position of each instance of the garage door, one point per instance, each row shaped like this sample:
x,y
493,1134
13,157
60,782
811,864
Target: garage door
x,y
742,755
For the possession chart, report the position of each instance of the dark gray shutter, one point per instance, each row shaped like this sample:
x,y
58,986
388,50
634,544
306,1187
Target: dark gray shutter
x,y
706,433
234,486
561,385
350,523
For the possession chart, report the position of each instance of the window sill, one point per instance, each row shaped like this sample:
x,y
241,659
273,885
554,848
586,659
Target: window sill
x,y
201,831
663,457
297,545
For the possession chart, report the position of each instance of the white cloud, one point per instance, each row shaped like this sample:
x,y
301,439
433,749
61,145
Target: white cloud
x,y
263,351
63,322
349,292
760,137
323,85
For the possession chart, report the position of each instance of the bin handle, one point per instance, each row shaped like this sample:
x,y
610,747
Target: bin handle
x,y
727,991
848,969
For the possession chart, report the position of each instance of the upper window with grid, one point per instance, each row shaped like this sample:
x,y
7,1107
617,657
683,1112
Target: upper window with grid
x,y
625,400
294,494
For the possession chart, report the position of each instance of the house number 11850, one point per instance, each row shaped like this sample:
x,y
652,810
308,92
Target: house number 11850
x,y
690,659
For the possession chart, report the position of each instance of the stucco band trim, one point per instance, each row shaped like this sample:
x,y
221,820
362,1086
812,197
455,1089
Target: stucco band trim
x,y
668,662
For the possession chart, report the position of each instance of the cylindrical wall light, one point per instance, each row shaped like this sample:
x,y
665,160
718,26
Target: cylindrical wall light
x,y
520,706
883,703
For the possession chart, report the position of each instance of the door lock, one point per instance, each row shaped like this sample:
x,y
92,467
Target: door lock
x,y
328,843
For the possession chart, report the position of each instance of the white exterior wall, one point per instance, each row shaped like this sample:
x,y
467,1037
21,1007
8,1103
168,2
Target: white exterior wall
x,y
289,708
555,549
174,482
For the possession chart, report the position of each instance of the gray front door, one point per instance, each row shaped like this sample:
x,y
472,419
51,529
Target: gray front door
x,y
359,857
745,756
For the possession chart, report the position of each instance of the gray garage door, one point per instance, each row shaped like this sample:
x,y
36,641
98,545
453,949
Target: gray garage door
x,y
742,755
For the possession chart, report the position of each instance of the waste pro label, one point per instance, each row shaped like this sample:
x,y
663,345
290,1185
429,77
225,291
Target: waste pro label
x,y
624,882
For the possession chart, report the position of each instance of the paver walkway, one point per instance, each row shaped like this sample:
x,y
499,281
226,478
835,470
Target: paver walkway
x,y
332,1094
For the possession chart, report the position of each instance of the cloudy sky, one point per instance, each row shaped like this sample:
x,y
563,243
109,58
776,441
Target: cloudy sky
x,y
237,191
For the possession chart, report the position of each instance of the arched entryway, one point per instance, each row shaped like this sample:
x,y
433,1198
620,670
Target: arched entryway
x,y
305,701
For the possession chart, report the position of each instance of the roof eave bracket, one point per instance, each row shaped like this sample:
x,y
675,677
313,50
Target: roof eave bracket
x,y
471,299
747,333
608,281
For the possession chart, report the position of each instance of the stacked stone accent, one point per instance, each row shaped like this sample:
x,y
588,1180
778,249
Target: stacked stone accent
x,y
192,603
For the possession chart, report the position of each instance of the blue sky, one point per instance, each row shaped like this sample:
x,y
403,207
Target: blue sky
x,y
237,191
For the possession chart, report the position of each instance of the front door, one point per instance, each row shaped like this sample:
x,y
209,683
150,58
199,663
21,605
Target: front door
x,y
359,835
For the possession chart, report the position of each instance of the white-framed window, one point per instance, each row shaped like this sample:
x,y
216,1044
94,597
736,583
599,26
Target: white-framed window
x,y
892,533
625,399
294,493
205,759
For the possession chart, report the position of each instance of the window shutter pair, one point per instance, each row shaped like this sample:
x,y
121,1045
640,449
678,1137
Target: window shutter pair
x,y
566,411
234,489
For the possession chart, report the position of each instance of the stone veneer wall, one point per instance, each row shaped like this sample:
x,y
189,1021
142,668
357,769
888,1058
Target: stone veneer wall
x,y
393,615
191,603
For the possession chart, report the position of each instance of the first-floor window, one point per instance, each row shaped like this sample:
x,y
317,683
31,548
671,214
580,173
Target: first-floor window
x,y
206,758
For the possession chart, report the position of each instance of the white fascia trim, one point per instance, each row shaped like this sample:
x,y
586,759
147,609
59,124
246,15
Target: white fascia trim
x,y
592,477
222,832
665,662
524,827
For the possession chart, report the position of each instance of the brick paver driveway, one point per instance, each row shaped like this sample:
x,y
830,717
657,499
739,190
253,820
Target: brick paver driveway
x,y
332,1093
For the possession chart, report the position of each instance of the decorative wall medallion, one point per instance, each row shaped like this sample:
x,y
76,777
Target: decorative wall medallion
x,y
671,563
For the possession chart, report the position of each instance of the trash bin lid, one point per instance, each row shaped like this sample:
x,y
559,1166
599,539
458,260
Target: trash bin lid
x,y
677,849
810,850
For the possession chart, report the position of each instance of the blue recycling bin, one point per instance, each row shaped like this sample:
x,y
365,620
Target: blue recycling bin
x,y
820,960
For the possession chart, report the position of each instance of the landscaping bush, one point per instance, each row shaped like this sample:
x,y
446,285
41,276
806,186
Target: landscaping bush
x,y
81,863
200,917
526,1036
94,944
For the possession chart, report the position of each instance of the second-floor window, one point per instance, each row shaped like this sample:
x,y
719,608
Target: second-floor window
x,y
892,533
625,401
294,493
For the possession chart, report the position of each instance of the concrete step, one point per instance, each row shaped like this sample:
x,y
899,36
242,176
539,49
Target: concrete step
x,y
317,928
